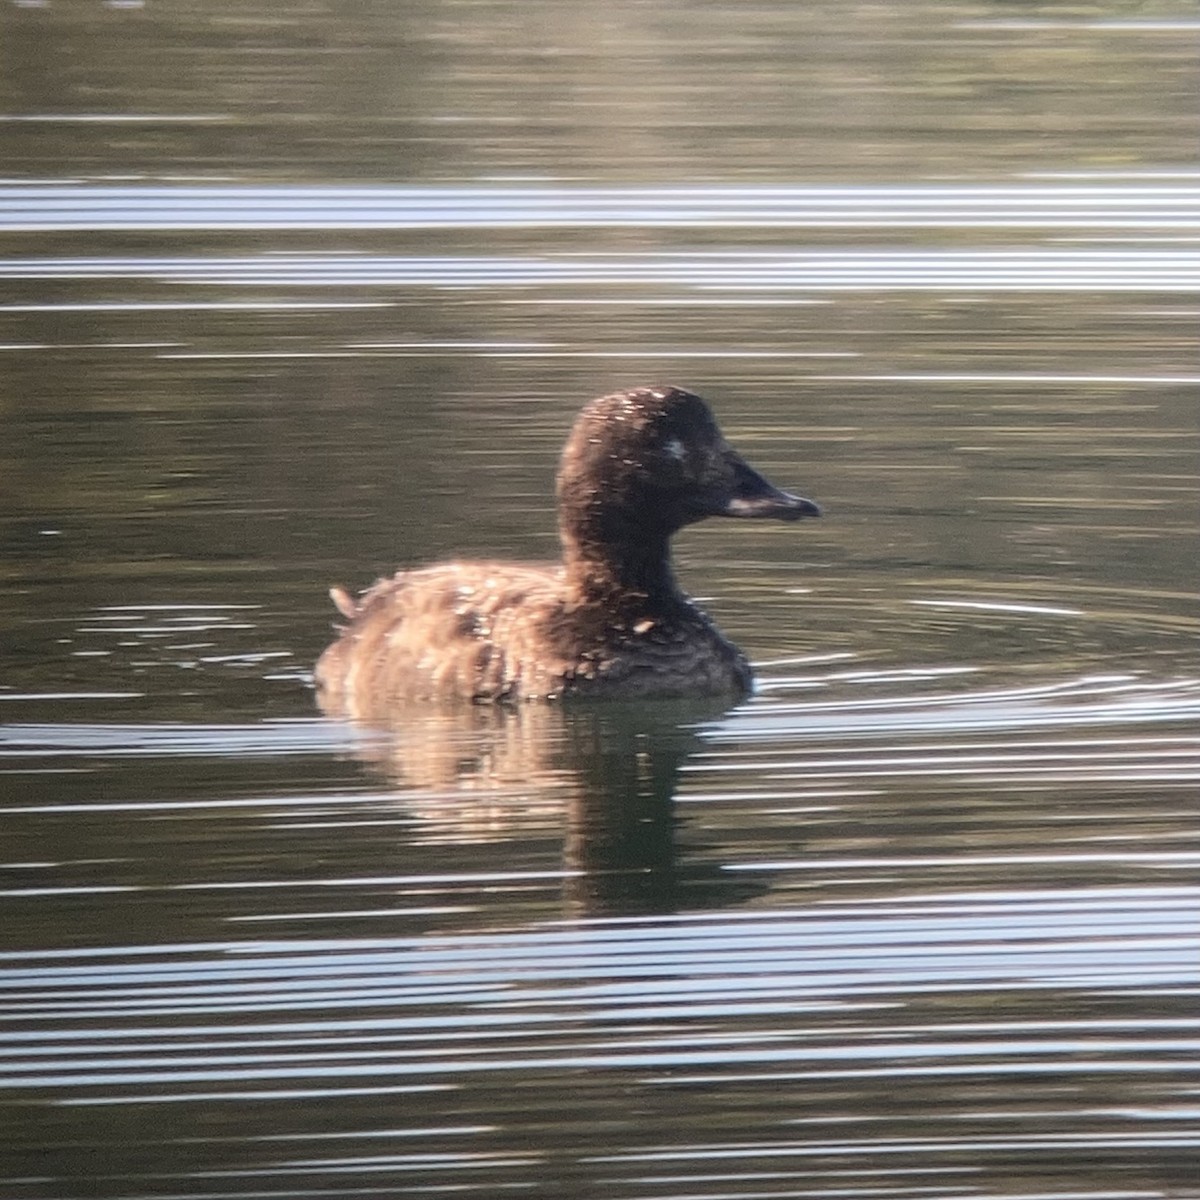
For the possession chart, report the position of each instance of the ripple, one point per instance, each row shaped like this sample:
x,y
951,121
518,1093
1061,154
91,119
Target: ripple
x,y
882,268
75,206
847,992
83,739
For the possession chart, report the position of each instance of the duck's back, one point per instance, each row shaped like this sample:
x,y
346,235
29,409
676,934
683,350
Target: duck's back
x,y
457,630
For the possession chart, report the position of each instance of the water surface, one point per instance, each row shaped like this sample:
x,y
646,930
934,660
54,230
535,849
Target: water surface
x,y
293,297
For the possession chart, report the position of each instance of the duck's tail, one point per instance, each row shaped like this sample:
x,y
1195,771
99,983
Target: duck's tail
x,y
344,602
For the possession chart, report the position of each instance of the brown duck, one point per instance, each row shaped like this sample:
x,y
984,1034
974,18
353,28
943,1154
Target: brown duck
x,y
608,621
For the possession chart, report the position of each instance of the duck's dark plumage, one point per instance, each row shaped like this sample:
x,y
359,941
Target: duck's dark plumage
x,y
609,620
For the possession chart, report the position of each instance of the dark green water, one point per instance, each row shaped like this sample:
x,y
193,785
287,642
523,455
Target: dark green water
x,y
296,294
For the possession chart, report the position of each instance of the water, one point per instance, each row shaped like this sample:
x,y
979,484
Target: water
x,y
292,297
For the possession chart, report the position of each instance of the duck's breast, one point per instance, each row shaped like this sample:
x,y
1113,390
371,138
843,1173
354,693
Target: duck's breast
x,y
673,655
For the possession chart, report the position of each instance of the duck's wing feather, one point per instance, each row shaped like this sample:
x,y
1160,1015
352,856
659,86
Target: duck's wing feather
x,y
465,630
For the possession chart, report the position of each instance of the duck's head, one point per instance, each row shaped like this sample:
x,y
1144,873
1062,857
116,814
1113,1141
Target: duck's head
x,y
646,462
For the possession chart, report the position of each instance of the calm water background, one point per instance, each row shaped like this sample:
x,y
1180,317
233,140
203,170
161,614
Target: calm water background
x,y
295,293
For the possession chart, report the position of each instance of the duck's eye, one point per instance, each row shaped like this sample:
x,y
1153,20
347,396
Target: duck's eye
x,y
675,449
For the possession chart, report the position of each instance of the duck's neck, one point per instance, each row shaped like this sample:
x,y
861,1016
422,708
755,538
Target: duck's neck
x,y
621,570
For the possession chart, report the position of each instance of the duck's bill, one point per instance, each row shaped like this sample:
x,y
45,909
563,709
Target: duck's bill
x,y
754,496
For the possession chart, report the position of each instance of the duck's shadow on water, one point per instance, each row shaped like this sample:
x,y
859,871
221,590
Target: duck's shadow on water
x,y
604,773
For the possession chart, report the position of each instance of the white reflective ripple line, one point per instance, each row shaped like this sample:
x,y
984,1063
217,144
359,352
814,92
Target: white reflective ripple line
x,y
73,206
884,268
1027,936
1053,1059
874,945
307,736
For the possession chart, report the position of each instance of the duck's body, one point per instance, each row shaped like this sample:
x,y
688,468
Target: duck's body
x,y
610,620
506,631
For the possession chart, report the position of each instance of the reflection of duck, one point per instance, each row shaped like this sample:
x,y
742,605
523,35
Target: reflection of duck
x,y
610,620
602,777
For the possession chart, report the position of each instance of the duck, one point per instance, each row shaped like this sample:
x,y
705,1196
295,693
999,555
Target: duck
x,y
609,621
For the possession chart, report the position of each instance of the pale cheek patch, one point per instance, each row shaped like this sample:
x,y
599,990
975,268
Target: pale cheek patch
x,y
676,449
